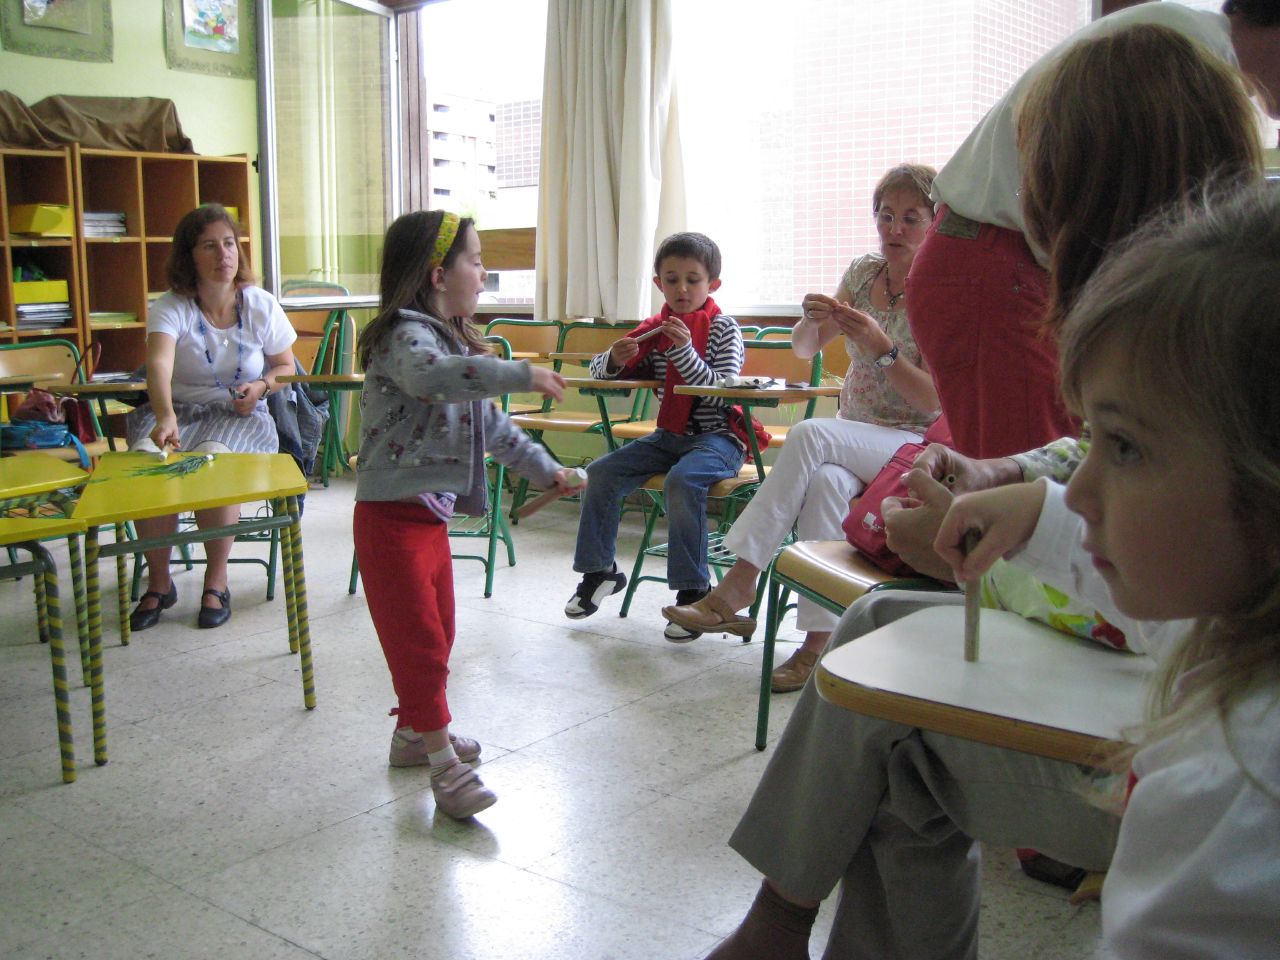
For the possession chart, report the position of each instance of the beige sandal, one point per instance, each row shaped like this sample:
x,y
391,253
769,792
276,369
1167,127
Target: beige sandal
x,y
794,674
710,615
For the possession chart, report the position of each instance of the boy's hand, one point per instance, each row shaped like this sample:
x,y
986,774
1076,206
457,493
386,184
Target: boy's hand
x,y
623,352
1005,518
676,332
548,383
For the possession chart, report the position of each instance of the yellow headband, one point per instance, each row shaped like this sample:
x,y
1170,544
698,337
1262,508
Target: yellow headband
x,y
445,236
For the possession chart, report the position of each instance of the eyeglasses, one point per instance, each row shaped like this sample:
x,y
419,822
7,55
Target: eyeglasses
x,y
908,220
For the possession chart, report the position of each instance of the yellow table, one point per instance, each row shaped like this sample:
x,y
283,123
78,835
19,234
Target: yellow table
x,y
24,484
1032,689
26,534
31,475
118,493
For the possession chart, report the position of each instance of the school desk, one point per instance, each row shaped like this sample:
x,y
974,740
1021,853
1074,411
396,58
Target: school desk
x,y
22,382
25,534
1032,688
118,491
102,392
602,390
29,486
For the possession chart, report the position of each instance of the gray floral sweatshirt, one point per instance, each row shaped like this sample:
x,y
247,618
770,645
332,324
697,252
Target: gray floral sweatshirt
x,y
426,419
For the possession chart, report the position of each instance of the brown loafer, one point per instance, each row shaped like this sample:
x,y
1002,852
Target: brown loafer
x,y
794,674
710,615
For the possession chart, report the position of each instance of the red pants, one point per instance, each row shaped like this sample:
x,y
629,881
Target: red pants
x,y
407,571
975,299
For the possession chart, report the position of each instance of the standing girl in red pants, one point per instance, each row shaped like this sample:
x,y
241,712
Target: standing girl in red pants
x,y
426,422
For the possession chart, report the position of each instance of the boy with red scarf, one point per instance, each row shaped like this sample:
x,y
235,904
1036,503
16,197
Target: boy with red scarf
x,y
699,441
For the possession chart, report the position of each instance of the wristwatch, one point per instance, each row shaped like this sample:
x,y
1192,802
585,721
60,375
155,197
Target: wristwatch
x,y
889,359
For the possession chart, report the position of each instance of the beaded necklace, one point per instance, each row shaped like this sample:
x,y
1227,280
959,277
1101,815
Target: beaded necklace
x,y
889,295
217,381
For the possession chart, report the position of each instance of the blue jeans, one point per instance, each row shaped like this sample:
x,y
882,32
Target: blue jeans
x,y
692,465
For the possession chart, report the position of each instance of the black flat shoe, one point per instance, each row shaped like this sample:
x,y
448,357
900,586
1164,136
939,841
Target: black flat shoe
x,y
215,616
145,618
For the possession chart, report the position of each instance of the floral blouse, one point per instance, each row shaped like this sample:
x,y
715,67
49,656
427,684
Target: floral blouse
x,y
867,394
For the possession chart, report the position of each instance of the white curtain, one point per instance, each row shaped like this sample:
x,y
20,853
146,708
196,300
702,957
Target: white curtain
x,y
611,182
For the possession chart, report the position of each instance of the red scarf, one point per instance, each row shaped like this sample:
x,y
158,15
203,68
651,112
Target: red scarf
x,y
674,410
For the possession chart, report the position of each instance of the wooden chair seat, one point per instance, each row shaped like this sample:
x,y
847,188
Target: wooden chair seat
x,y
560,421
719,490
830,569
635,429
95,449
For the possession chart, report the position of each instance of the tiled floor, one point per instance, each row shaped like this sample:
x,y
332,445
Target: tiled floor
x,y
231,822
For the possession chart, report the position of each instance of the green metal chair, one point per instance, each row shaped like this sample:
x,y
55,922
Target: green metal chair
x,y
331,355
831,573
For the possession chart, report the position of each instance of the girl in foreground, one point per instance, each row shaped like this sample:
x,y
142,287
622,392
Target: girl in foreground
x,y
1168,352
426,422
1169,356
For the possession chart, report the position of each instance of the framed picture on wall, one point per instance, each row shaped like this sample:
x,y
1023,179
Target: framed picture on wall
x,y
211,36
69,30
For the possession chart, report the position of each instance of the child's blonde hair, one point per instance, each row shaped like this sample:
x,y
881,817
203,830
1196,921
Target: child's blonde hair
x,y
1194,300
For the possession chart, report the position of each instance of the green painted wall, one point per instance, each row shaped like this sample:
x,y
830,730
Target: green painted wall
x,y
219,114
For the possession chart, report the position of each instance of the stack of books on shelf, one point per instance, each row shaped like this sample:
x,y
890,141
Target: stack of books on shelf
x,y
109,223
37,316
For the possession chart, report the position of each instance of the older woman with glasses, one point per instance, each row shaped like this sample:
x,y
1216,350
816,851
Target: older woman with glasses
x,y
887,399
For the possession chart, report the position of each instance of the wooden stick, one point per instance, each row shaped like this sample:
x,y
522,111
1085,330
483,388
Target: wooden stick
x,y
531,507
972,603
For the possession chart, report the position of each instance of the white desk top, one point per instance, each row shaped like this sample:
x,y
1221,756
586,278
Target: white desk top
x,y
1029,680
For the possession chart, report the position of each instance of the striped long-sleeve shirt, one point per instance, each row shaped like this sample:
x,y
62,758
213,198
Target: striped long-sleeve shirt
x,y
724,359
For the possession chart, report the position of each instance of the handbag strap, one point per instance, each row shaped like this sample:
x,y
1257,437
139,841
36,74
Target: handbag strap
x,y
79,374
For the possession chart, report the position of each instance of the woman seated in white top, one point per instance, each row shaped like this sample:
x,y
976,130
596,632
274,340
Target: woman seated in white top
x,y
215,345
888,399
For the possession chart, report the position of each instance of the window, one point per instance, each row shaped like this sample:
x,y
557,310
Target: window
x,y
780,162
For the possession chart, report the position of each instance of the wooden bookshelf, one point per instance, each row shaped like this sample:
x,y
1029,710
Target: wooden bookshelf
x,y
116,275
38,176
154,191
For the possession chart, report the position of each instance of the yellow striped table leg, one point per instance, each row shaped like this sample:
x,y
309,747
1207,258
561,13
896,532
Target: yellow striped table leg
x,y
78,593
62,702
93,598
300,602
42,614
122,586
286,558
